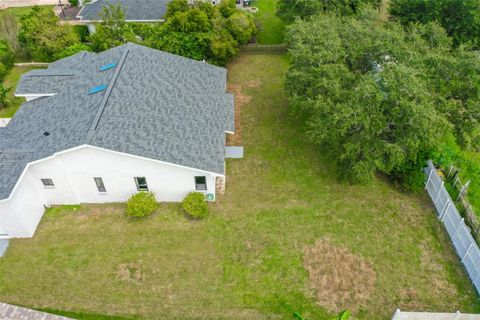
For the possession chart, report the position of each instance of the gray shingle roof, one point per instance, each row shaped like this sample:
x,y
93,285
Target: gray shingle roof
x,y
135,10
157,105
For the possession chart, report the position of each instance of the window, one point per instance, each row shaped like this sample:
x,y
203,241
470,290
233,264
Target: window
x,y
141,183
100,184
48,183
201,183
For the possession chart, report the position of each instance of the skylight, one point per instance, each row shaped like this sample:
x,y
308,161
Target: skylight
x,y
97,89
108,66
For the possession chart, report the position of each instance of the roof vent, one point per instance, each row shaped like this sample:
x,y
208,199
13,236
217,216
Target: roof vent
x,y
108,66
97,89
46,133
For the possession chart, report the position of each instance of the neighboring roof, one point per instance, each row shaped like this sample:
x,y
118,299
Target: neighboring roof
x,y
135,10
156,105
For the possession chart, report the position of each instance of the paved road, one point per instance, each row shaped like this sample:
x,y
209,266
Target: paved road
x,y
25,3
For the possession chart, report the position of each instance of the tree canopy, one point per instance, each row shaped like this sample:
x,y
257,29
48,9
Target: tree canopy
x,y
197,30
460,18
202,31
290,9
113,30
378,98
43,35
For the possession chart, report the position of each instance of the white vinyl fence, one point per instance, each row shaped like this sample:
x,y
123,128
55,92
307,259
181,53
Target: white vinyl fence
x,y
463,242
401,315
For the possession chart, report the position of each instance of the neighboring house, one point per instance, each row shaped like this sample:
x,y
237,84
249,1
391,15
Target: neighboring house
x,y
98,128
135,10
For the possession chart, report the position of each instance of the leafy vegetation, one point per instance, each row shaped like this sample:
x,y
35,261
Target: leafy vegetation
x,y
9,29
113,30
4,96
43,35
199,31
141,205
365,90
73,49
10,83
6,59
6,63
460,18
74,3
245,260
195,205
202,31
289,9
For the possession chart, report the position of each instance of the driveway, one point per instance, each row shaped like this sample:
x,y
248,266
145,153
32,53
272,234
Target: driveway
x,y
26,3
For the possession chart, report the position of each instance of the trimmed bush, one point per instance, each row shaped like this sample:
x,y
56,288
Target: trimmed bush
x,y
141,204
195,205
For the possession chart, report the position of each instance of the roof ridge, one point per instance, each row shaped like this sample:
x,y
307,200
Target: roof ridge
x,y
104,101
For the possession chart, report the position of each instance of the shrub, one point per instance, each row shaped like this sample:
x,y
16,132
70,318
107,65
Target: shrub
x,y
195,205
74,3
82,32
7,57
3,71
43,35
141,204
4,96
71,50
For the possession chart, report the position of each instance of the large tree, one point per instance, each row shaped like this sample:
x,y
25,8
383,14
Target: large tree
x,y
113,30
378,98
202,31
461,18
43,35
289,9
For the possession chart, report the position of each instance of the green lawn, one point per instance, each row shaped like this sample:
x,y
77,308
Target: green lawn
x,y
271,26
11,81
19,11
244,261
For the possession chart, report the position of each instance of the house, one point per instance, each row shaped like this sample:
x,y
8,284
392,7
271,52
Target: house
x,y
98,128
135,10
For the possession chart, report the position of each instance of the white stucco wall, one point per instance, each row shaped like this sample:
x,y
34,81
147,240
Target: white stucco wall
x,y
20,215
72,173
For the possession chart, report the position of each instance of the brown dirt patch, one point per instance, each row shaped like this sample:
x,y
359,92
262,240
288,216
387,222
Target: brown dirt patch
x,y
253,83
409,299
341,279
130,272
241,99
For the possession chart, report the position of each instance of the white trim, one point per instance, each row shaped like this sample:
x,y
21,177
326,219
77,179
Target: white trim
x,y
25,95
103,149
78,14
